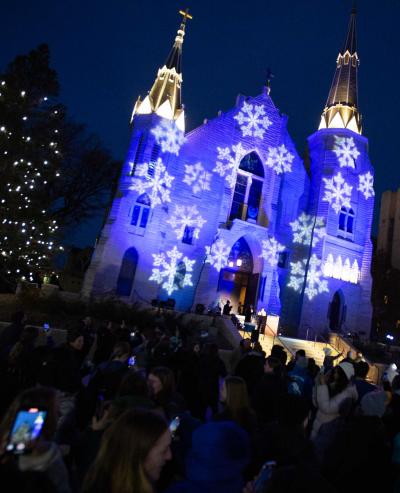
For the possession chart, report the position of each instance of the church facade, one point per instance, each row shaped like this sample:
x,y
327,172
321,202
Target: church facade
x,y
231,211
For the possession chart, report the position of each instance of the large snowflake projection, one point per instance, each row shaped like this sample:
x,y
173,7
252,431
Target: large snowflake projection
x,y
314,284
271,250
168,136
279,159
337,192
217,254
346,151
155,181
366,185
252,120
306,226
228,160
171,270
186,216
197,177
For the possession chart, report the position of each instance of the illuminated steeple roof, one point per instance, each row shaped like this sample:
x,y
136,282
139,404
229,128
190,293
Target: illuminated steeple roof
x,y
341,106
165,97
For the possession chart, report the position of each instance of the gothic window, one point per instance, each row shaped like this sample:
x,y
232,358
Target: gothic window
x,y
346,223
248,189
139,153
188,235
141,211
155,152
180,275
127,272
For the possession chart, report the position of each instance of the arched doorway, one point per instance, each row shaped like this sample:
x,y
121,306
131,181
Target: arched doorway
x,y
127,272
337,311
237,282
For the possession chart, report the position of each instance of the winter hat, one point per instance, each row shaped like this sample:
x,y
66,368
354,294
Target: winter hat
x,y
373,403
327,351
348,369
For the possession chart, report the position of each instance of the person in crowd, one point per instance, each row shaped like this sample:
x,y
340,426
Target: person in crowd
x,y
105,341
328,396
240,308
187,368
238,353
312,368
329,359
219,452
300,353
89,334
269,391
133,452
19,358
251,367
300,381
44,464
236,406
212,368
248,313
277,351
363,387
161,383
11,334
227,308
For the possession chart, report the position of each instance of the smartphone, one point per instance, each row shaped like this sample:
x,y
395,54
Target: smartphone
x,y
131,361
263,477
174,424
46,327
27,427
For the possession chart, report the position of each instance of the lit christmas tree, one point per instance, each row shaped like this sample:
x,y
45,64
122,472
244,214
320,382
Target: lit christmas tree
x,y
30,157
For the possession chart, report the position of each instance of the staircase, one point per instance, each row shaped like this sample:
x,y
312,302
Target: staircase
x,y
291,345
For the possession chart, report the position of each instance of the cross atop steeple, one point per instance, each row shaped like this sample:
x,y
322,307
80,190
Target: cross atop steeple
x,y
165,96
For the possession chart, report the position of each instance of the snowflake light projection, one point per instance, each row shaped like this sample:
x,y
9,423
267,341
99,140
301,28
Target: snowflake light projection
x,y
346,151
337,192
279,159
197,177
270,251
217,254
168,136
155,184
303,227
366,185
252,120
172,272
314,285
186,216
228,160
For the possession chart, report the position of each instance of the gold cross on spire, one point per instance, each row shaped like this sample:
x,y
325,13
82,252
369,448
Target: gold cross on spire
x,y
185,14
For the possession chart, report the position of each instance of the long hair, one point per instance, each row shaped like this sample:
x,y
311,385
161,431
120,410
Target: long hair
x,y
237,398
167,380
340,383
43,398
119,465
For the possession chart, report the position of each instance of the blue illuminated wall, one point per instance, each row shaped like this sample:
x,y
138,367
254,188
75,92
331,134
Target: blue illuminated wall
x,y
228,210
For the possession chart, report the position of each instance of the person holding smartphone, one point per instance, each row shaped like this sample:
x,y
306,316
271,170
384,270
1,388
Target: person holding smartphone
x,y
27,444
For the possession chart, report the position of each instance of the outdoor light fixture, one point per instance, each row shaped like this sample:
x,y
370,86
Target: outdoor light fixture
x,y
239,262
390,337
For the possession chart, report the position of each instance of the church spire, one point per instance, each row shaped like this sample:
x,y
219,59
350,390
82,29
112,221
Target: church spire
x,y
164,97
341,106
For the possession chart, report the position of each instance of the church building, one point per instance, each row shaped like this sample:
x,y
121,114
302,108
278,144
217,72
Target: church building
x,y
229,210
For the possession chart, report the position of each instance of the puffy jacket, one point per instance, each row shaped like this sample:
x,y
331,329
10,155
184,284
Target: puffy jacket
x,y
328,407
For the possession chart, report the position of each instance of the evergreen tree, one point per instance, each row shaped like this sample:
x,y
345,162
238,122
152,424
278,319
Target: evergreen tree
x,y
30,163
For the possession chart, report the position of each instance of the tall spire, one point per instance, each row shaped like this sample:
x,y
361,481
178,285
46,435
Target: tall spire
x,y
341,106
165,97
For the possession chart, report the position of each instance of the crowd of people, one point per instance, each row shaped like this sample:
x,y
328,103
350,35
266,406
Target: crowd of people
x,y
156,409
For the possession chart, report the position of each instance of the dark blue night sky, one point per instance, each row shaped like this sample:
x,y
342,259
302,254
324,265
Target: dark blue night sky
x,y
107,53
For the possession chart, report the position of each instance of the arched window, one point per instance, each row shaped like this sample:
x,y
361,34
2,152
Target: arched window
x,y
346,223
248,189
127,272
141,211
